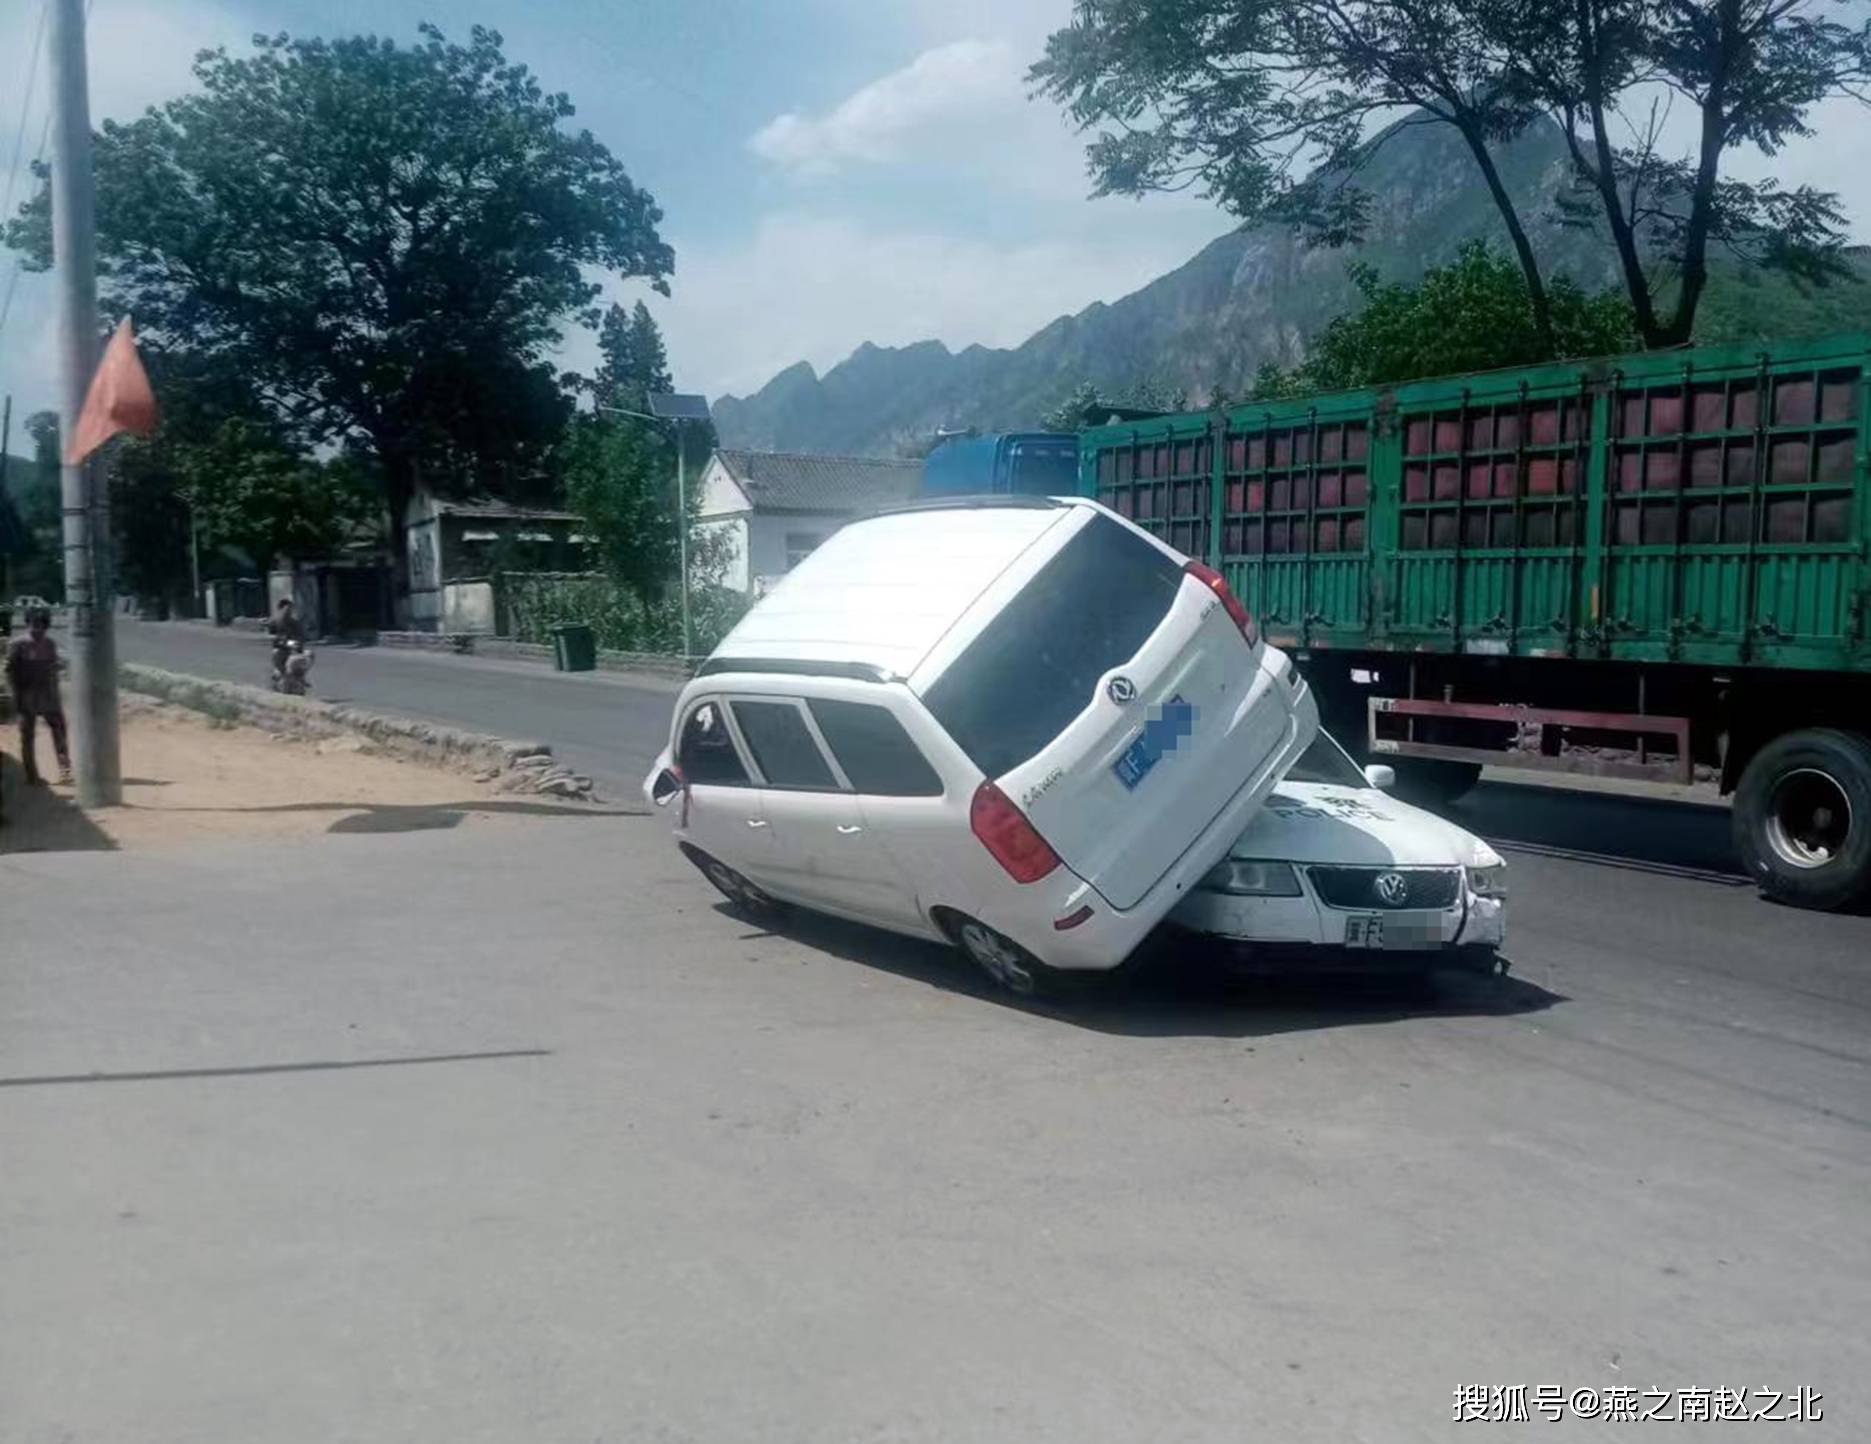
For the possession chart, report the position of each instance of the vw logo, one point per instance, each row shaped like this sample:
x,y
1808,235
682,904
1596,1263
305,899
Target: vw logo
x,y
1121,690
1392,889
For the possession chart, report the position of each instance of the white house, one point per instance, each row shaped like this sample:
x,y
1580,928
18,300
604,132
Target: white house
x,y
774,507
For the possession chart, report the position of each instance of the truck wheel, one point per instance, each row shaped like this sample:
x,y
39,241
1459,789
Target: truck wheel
x,y
1431,782
1802,818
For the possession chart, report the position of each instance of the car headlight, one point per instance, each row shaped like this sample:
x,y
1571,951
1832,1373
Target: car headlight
x,y
1252,879
1489,880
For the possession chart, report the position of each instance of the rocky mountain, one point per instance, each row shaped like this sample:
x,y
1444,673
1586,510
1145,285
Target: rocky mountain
x,y
1250,296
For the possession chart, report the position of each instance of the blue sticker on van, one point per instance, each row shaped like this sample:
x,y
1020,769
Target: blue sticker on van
x,y
1168,725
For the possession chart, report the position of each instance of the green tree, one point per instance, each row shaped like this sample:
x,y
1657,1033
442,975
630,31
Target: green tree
x,y
1268,106
1473,314
1084,400
252,490
635,363
387,241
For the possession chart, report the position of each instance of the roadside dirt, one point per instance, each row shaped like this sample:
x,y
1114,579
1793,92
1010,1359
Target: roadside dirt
x,y
189,779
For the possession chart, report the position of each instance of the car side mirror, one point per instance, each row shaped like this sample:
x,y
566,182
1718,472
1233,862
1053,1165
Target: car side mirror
x,y
1380,775
666,786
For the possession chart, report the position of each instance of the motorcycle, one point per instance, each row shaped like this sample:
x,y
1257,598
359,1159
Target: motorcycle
x,y
292,669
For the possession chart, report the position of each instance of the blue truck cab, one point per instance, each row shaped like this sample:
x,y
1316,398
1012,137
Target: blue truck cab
x,y
1023,463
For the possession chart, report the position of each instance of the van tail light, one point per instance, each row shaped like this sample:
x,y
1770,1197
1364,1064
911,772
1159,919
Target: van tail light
x,y
1218,584
1005,832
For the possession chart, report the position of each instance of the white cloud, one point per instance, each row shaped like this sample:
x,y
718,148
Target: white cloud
x,y
960,86
809,286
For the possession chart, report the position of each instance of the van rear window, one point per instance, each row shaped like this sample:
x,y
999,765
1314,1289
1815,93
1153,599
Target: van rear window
x,y
1022,681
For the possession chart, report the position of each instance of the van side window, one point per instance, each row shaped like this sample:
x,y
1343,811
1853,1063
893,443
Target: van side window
x,y
783,747
874,750
706,752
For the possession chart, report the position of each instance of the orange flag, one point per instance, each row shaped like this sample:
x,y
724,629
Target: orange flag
x,y
119,399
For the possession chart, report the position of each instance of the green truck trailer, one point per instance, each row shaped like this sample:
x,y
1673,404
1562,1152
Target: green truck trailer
x,y
1649,566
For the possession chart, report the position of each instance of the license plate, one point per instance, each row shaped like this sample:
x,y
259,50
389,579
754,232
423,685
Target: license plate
x,y
1364,932
1173,721
1397,931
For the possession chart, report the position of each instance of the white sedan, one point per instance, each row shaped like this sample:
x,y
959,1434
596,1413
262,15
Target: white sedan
x,y
1334,872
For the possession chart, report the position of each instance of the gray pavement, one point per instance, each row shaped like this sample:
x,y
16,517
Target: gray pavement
x,y
511,1134
606,725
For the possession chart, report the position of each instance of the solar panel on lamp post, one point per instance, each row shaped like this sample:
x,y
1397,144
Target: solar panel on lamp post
x,y
676,407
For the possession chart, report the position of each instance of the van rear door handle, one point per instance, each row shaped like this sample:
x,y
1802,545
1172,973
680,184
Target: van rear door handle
x,y
847,831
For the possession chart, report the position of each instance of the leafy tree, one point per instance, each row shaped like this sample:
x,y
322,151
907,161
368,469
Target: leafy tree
x,y
1150,394
40,569
635,362
252,490
1470,315
620,471
1268,106
388,241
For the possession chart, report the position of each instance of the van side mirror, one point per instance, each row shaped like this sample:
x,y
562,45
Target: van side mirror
x,y
668,783
1381,775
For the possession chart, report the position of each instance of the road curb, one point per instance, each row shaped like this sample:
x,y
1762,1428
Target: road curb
x,y
512,765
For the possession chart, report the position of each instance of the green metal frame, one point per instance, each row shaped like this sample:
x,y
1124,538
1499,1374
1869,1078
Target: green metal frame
x,y
1735,598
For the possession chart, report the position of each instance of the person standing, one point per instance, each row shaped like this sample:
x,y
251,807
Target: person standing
x,y
32,675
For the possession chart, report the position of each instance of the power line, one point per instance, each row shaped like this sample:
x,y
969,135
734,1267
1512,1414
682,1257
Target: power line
x,y
25,109
19,143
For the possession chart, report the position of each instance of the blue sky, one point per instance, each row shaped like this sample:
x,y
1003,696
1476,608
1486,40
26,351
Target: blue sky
x,y
832,171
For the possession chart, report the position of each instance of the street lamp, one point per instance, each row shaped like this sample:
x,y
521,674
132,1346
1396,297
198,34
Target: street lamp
x,y
676,407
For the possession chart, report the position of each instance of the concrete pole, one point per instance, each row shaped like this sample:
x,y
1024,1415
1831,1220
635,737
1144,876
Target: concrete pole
x,y
86,516
682,537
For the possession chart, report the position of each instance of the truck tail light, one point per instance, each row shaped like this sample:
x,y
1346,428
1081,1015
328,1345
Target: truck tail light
x,y
1005,832
1231,604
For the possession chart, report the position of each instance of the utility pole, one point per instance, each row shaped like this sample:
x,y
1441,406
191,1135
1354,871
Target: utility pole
x,y
86,517
682,537
6,441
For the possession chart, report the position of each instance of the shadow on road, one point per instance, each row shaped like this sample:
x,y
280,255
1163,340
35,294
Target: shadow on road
x,y
369,817
43,819
252,1070
1683,839
1178,990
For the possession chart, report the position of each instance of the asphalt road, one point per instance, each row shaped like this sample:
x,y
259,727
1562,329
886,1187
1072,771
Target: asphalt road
x,y
600,723
484,1135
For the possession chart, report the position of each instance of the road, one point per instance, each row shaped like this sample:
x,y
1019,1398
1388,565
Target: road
x,y
600,723
512,1133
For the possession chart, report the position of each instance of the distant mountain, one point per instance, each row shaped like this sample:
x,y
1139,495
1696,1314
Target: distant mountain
x,y
1250,296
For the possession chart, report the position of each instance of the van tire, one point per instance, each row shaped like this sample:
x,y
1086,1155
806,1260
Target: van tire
x,y
1802,818
745,897
1005,964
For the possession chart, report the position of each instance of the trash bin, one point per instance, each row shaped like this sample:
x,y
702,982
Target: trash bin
x,y
574,648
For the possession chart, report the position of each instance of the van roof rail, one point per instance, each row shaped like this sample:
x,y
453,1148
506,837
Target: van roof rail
x,y
794,667
985,499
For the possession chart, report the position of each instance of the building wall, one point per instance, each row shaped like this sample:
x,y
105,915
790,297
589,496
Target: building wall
x,y
775,541
468,607
733,531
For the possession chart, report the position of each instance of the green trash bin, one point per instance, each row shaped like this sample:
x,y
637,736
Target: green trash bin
x,y
574,648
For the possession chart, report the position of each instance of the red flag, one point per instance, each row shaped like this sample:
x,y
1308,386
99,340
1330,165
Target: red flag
x,y
119,399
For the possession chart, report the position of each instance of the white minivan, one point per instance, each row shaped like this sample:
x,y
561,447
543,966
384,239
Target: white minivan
x,y
1018,724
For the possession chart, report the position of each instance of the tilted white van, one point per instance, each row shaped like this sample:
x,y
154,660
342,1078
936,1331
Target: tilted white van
x,y
1019,724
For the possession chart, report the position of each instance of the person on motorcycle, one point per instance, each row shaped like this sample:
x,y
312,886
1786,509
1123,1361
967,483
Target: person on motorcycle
x,y
286,629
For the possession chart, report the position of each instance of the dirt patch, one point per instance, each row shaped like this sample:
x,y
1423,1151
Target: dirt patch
x,y
188,778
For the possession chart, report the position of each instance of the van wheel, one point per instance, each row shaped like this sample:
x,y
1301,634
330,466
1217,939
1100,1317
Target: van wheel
x,y
1006,963
1802,818
748,899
